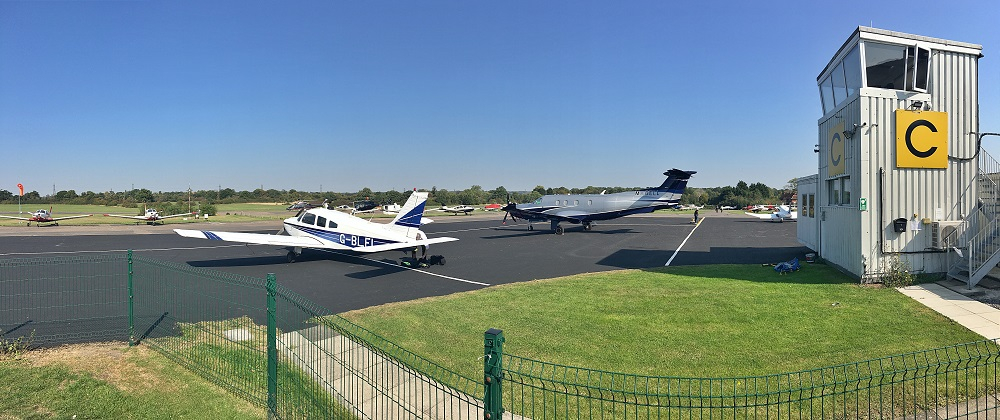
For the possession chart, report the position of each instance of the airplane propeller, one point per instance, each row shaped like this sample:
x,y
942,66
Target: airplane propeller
x,y
510,206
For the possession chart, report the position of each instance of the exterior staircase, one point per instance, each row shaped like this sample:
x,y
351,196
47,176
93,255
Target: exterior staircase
x,y
974,247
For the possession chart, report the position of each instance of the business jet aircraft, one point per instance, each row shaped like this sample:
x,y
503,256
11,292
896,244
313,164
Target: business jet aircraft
x,y
783,213
330,229
45,216
586,208
151,217
457,209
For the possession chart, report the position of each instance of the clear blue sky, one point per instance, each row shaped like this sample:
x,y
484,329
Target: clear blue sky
x,y
341,95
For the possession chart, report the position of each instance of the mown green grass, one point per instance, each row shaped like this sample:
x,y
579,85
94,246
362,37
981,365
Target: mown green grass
x,y
130,384
241,367
703,321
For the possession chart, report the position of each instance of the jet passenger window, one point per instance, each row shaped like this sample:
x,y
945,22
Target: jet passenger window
x,y
332,224
309,219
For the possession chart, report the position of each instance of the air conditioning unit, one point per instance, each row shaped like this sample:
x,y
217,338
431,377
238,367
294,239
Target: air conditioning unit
x,y
944,233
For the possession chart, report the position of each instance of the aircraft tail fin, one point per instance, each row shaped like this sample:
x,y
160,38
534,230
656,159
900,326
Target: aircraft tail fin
x,y
676,180
412,212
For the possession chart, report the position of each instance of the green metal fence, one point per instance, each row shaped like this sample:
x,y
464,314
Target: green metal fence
x,y
249,335
950,382
277,349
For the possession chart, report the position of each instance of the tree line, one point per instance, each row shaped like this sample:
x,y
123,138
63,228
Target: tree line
x,y
741,195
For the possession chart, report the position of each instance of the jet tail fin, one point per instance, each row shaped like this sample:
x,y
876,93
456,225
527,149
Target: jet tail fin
x,y
676,180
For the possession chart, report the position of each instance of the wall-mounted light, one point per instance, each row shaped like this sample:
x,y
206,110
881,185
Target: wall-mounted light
x,y
816,149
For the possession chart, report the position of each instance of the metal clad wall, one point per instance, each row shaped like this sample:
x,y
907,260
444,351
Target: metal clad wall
x,y
920,191
849,237
839,238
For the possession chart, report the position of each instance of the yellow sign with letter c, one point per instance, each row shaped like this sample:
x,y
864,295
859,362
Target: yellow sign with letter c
x,y
836,151
921,139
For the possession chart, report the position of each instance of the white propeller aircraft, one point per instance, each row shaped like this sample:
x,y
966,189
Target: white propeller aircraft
x,y
44,216
150,217
457,209
320,228
783,213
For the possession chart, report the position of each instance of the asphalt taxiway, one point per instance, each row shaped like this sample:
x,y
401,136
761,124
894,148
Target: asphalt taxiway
x,y
487,253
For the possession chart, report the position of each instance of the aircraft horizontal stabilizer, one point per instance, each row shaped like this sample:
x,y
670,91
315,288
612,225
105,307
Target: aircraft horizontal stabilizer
x,y
402,245
253,238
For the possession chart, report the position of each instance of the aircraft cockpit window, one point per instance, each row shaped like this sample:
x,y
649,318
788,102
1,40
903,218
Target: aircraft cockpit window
x,y
538,200
309,219
320,221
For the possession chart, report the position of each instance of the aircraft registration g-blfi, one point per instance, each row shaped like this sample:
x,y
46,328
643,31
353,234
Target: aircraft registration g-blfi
x,y
151,216
320,228
586,208
783,213
44,216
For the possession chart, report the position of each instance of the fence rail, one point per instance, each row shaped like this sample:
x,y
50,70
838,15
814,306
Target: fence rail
x,y
314,364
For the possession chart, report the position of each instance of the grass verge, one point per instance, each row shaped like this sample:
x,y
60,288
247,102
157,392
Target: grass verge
x,y
111,380
703,321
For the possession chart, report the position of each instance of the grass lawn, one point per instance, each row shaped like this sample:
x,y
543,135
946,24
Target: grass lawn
x,y
698,321
111,381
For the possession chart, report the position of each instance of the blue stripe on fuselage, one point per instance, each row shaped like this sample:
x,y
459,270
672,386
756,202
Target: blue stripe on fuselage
x,y
346,239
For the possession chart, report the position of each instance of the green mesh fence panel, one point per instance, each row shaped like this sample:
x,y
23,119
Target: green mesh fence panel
x,y
950,382
64,300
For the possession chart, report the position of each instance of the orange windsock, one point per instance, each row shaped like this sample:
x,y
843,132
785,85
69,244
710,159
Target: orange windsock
x,y
20,189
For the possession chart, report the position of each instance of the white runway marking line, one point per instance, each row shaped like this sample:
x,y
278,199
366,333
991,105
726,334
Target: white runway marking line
x,y
682,243
413,269
192,248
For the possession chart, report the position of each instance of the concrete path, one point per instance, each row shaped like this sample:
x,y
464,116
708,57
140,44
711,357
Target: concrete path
x,y
370,384
979,317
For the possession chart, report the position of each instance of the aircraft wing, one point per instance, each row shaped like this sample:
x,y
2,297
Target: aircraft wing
x,y
71,217
127,217
253,238
300,241
14,217
566,215
176,215
760,216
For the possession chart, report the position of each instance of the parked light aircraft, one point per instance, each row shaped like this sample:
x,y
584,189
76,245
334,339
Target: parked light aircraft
x,y
45,216
586,208
783,213
690,207
320,228
299,205
457,209
151,217
391,208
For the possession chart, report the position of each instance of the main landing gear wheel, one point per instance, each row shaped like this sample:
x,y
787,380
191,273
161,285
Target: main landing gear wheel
x,y
291,256
531,227
560,230
588,226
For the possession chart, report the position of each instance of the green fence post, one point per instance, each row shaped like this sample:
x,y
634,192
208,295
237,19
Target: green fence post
x,y
272,348
492,353
131,300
